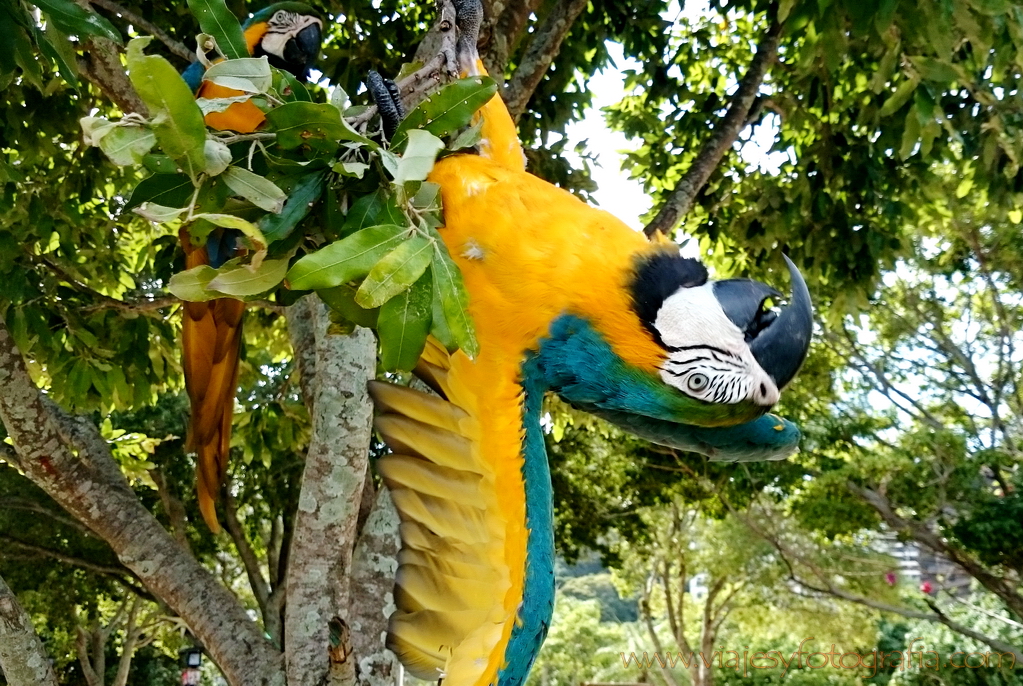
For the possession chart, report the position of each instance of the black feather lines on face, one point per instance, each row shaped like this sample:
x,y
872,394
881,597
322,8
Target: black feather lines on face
x,y
658,276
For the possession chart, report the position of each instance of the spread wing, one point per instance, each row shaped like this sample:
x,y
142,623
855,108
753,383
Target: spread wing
x,y
456,480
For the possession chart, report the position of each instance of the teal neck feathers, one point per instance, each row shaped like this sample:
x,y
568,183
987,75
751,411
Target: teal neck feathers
x,y
577,363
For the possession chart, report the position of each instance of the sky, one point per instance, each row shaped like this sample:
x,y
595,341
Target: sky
x,y
617,193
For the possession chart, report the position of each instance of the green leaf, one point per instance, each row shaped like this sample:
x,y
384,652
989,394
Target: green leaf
x,y
57,47
260,191
363,213
208,105
934,70
244,281
347,259
395,272
306,192
910,134
217,20
160,164
468,138
94,128
450,287
404,324
899,98
353,169
248,74
171,190
229,221
784,8
159,214
309,123
177,123
126,145
448,109
72,19
341,299
420,154
191,285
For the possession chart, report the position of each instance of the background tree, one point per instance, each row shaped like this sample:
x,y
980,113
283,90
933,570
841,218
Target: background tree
x,y
899,128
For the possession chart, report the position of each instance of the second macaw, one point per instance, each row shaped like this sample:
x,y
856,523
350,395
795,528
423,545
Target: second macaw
x,y
289,35
565,298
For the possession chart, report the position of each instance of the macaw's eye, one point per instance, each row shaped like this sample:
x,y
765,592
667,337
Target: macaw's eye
x,y
697,382
279,17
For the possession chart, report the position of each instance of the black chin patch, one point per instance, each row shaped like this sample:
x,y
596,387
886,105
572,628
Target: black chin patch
x,y
658,276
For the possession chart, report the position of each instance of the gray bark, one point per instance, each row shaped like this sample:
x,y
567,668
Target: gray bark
x,y
334,371
69,459
543,48
22,657
373,567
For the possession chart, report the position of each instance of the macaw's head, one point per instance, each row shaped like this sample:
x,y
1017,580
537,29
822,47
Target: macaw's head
x,y
288,34
722,346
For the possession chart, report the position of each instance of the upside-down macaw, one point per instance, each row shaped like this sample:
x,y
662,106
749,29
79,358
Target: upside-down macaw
x,y
288,34
565,298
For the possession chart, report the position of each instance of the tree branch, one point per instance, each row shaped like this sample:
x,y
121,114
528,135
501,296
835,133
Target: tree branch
x,y
101,65
139,22
374,564
920,533
91,488
250,561
543,48
335,372
23,659
726,132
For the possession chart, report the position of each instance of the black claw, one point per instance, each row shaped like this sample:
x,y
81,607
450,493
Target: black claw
x,y
388,99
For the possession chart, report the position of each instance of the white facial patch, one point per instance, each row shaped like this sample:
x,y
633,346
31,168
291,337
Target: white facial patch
x,y
282,27
709,358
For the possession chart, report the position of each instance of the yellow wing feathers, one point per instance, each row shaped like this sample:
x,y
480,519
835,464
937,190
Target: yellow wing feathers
x,y
459,579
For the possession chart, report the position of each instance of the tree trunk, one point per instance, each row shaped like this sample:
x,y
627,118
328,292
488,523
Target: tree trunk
x,y
334,374
23,660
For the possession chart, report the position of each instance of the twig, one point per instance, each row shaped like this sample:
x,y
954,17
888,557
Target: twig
x,y
726,132
543,48
176,47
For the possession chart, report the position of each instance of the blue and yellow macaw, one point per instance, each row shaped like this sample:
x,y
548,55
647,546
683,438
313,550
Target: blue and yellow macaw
x,y
288,34
565,298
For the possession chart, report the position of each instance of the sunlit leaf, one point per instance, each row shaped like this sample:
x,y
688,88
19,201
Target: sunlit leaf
x,y
258,190
448,109
217,20
244,281
248,74
347,259
395,272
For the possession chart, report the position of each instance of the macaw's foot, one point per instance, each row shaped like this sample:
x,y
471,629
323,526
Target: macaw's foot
x,y
468,19
386,95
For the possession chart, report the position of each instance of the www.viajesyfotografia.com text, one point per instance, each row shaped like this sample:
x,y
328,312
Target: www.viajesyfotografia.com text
x,y
874,661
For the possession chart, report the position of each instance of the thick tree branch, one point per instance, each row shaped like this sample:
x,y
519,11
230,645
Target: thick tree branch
x,y
543,48
23,659
91,488
139,22
101,65
335,372
726,132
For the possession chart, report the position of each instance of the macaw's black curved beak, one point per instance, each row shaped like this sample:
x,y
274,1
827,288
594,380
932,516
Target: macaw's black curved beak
x,y
302,51
779,342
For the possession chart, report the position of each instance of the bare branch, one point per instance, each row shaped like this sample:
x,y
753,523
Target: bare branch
x,y
253,567
23,660
118,573
102,67
138,21
543,48
726,132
